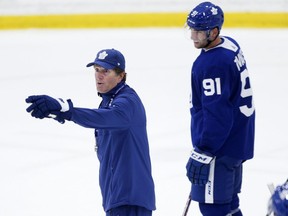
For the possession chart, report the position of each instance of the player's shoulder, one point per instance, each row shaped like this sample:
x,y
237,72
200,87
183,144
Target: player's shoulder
x,y
229,43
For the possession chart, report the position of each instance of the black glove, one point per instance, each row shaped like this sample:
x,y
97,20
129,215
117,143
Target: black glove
x,y
198,168
44,106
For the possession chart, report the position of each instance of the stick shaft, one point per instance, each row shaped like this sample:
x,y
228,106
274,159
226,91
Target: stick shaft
x,y
186,209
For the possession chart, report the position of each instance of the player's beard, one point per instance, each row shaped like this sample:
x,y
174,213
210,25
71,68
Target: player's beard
x,y
199,44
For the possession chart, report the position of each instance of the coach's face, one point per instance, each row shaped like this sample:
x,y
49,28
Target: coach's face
x,y
106,79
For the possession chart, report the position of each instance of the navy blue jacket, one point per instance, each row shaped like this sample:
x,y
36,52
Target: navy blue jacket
x,y
122,148
222,111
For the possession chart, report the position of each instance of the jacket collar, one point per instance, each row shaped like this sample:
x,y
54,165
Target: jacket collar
x,y
113,91
108,97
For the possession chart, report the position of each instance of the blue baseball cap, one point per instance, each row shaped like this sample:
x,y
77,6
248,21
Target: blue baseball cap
x,y
109,59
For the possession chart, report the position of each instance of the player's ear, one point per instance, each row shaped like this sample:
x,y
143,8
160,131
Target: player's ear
x,y
214,33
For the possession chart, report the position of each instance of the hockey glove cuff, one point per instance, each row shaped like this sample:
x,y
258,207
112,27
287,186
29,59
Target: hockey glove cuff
x,y
198,167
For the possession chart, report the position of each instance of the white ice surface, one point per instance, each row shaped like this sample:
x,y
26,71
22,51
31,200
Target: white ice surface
x,y
51,169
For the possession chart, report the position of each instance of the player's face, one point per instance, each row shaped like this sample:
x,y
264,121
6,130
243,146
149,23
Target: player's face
x,y
200,38
106,79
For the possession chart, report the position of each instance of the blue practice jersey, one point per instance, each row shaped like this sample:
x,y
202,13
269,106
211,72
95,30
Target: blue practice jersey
x,y
122,148
222,109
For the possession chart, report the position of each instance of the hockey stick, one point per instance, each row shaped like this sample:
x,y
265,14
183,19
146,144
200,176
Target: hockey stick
x,y
271,188
186,209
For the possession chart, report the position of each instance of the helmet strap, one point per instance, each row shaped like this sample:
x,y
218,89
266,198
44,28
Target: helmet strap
x,y
208,37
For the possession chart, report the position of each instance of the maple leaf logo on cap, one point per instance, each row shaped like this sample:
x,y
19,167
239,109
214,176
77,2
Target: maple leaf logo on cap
x,y
102,55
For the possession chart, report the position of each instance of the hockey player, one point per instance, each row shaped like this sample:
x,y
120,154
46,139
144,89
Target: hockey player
x,y
222,115
121,138
278,203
